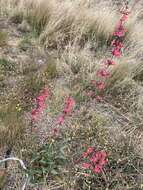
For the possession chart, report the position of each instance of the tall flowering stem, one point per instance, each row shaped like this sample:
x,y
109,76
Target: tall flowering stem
x,y
96,160
40,102
116,51
69,105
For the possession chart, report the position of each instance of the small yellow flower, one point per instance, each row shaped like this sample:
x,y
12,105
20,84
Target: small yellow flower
x,y
18,107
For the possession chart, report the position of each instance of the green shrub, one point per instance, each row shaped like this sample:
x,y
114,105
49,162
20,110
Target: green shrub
x,y
51,70
6,65
49,160
25,44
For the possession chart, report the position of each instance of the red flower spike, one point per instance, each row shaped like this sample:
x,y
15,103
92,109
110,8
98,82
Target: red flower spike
x,y
97,169
61,120
100,85
86,165
117,44
40,103
34,114
119,33
89,151
120,30
99,98
70,103
116,52
103,73
109,62
124,17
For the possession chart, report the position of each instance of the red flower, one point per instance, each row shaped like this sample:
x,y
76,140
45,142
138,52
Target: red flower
x,y
40,103
97,169
116,52
100,85
97,160
124,17
103,73
99,98
86,165
61,120
109,62
89,151
34,114
120,30
117,43
70,103
40,98
119,33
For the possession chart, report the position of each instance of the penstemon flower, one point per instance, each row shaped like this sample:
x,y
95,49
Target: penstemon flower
x,y
95,160
103,73
40,104
69,105
61,120
86,165
116,52
88,152
117,43
109,62
124,17
120,30
117,46
100,85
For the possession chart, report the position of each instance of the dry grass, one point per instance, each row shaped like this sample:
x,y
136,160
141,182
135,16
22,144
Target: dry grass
x,y
3,38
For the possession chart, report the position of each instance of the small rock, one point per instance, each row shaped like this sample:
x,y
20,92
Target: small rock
x,y
24,26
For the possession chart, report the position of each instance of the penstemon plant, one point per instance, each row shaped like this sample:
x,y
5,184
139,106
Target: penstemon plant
x,y
116,51
95,161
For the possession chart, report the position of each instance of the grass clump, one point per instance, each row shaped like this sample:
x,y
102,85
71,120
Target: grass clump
x,y
25,44
11,123
2,178
3,38
30,88
7,65
16,18
51,70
